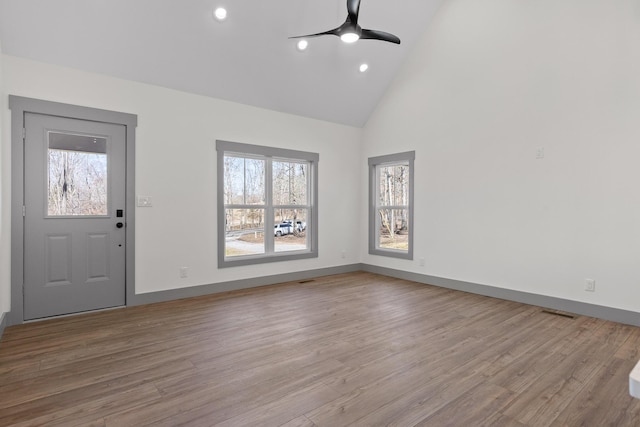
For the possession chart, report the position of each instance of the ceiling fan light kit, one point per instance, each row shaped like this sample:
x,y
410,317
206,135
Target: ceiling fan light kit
x,y
350,31
350,37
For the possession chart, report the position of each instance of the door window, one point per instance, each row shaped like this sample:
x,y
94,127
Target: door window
x,y
77,175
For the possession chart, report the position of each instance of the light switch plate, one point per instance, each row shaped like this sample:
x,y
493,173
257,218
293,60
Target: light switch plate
x,y
144,201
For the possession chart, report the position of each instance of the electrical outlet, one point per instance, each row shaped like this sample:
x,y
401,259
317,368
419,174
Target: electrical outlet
x,y
422,262
589,285
344,254
540,153
184,272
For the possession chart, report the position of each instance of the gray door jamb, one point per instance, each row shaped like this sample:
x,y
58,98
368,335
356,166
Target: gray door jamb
x,y
21,105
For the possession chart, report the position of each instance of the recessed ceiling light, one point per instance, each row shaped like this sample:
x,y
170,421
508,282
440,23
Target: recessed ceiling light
x,y
302,45
349,37
364,67
220,14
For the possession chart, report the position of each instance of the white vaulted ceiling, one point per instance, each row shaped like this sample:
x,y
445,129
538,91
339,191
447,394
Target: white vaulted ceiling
x,y
247,59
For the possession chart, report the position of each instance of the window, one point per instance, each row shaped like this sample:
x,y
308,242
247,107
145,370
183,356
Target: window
x,y
391,205
267,204
77,175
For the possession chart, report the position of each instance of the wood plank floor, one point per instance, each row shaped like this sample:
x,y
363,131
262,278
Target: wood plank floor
x,y
353,349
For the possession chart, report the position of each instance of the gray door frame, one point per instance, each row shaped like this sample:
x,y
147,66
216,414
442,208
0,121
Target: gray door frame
x,y
19,106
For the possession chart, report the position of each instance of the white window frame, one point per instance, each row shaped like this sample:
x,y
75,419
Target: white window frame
x,y
268,154
374,224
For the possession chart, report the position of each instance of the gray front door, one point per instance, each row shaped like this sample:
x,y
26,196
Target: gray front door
x,y
74,238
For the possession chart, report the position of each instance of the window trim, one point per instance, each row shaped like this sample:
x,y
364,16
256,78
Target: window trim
x,y
374,162
223,147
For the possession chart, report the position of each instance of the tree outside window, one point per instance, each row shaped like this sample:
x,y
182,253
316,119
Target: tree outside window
x,y
77,175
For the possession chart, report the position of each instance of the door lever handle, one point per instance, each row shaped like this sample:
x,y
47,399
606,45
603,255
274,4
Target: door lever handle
x,y
119,225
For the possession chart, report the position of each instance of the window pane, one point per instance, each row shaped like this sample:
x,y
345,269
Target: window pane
x,y
290,183
243,181
393,185
254,182
77,175
244,232
290,230
393,229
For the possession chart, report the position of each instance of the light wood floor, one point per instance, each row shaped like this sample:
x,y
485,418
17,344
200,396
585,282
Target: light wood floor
x,y
353,349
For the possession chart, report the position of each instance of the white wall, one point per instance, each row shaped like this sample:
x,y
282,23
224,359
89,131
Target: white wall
x,y
5,208
490,83
176,162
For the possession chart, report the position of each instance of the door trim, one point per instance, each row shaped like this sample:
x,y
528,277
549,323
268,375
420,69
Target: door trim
x,y
19,106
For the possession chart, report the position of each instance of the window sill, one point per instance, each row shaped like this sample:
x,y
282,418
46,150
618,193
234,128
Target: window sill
x,y
264,259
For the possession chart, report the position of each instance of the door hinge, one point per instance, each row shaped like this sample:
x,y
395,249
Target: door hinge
x,y
24,133
24,210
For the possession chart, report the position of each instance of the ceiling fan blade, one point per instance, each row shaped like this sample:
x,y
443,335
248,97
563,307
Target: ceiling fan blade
x,y
333,32
379,35
353,9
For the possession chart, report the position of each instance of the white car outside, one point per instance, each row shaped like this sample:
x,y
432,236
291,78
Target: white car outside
x,y
282,229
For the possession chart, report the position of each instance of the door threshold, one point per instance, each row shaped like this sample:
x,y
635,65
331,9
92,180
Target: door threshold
x,y
59,316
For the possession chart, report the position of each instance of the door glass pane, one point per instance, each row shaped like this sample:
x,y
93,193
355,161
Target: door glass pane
x,y
77,173
290,230
244,232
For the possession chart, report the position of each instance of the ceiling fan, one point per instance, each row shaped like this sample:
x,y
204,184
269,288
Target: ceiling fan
x,y
350,31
